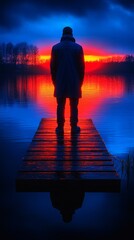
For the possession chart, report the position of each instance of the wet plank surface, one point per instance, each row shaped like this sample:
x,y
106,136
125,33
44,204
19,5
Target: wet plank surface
x,y
68,160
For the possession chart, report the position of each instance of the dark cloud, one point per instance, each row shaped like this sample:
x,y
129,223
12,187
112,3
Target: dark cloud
x,y
8,18
126,4
113,31
108,22
12,12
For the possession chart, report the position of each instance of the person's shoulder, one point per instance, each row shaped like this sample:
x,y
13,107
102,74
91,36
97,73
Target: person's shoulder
x,y
55,46
78,46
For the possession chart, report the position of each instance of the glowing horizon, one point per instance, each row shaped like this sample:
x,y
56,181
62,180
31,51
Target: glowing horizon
x,y
91,54
88,58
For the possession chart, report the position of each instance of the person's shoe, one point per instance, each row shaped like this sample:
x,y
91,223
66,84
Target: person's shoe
x,y
75,129
59,130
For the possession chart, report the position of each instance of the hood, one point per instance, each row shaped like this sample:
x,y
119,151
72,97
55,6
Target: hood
x,y
67,37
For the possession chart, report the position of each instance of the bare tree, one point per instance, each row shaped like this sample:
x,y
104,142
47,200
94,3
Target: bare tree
x,y
9,53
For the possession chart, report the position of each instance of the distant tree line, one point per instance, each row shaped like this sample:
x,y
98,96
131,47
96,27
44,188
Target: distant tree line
x,y
23,58
129,58
110,67
18,54
116,65
18,58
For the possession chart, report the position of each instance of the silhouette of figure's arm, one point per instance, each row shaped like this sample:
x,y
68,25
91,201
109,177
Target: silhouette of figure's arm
x,y
53,65
81,65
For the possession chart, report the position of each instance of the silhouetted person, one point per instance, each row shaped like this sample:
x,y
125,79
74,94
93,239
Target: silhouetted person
x,y
67,71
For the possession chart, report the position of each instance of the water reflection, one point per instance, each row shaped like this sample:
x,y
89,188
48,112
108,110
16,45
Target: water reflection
x,y
108,100
67,201
68,198
39,89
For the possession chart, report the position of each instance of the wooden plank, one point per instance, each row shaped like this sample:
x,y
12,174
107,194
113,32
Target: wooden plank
x,y
67,175
85,135
85,132
51,141
100,182
66,168
69,163
44,138
60,142
66,149
77,154
64,157
69,147
78,141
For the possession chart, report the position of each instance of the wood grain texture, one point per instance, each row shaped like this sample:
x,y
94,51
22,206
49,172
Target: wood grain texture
x,y
78,160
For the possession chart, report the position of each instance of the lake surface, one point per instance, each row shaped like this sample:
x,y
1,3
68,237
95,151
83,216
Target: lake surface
x,y
109,102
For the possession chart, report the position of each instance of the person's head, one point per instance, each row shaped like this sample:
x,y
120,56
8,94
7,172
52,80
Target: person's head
x,y
67,31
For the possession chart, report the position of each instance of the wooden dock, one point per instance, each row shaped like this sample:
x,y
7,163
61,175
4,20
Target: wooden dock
x,y
79,161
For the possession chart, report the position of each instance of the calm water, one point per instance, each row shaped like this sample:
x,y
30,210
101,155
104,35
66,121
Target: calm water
x,y
109,101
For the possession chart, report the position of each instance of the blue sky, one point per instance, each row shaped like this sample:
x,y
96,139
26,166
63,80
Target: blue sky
x,y
106,24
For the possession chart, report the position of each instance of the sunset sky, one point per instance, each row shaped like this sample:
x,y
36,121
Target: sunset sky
x,y
103,27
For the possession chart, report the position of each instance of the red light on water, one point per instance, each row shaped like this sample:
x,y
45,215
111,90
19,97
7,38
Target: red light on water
x,y
96,91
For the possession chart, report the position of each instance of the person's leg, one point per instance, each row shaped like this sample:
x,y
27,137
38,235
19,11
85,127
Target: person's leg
x,y
74,114
60,112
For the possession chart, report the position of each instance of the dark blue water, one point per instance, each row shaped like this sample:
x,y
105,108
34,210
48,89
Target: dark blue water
x,y
109,102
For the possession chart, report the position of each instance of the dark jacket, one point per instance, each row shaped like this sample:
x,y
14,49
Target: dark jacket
x,y
67,68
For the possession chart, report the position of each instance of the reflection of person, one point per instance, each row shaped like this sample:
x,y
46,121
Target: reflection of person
x,y
67,71
67,200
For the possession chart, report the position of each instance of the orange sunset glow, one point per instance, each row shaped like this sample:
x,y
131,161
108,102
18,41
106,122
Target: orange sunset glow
x,y
88,58
91,54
